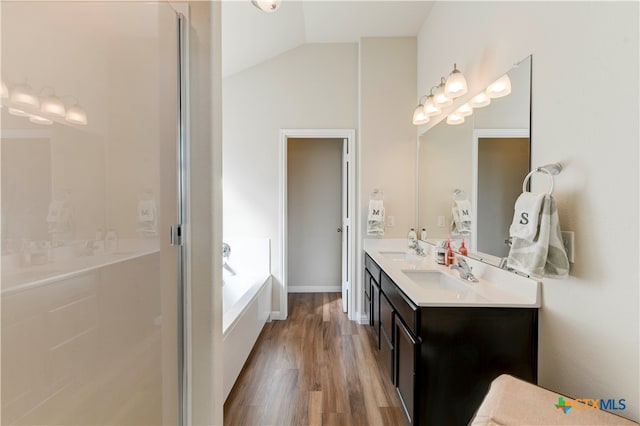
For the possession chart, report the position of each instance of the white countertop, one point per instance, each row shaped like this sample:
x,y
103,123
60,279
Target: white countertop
x,y
496,287
16,279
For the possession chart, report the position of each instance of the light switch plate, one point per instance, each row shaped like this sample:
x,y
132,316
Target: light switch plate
x,y
441,221
568,239
391,221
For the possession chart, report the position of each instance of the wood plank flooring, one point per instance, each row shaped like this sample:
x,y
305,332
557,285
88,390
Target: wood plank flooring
x,y
315,368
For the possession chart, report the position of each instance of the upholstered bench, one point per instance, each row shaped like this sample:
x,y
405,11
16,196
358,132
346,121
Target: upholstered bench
x,y
511,401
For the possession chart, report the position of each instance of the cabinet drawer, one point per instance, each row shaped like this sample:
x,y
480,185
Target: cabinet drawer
x,y
404,307
373,267
367,308
386,317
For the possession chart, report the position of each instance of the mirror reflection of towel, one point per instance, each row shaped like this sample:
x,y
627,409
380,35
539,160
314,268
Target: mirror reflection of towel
x,y
146,210
461,217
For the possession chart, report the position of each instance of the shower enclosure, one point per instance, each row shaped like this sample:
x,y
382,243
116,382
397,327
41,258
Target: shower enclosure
x,y
91,292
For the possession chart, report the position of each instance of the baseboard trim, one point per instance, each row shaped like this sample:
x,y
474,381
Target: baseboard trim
x,y
276,315
314,289
363,320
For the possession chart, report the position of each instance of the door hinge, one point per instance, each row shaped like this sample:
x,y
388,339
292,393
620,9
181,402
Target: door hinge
x,y
176,234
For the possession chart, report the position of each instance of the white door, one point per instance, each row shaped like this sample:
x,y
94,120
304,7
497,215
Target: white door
x,y
346,225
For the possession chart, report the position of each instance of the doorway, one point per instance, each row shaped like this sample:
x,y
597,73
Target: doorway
x,y
502,160
317,194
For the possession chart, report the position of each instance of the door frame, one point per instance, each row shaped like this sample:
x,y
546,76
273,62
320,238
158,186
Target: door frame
x,y
285,135
479,134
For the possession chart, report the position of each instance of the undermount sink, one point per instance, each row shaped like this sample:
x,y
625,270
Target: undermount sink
x,y
398,255
435,280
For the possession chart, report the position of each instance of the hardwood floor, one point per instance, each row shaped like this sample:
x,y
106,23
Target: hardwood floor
x,y
315,368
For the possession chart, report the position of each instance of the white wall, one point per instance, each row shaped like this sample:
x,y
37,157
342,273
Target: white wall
x,y
313,86
387,135
314,213
582,52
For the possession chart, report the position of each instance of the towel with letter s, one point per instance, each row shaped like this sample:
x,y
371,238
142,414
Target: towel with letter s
x,y
375,218
542,255
526,215
461,217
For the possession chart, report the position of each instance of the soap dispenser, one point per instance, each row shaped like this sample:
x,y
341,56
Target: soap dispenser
x,y
423,234
463,249
449,257
412,238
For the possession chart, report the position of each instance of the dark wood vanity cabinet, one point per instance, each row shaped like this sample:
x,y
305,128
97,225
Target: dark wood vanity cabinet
x,y
372,274
443,359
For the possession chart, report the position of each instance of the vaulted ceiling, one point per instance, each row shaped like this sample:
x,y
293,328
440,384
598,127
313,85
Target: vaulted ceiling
x,y
250,36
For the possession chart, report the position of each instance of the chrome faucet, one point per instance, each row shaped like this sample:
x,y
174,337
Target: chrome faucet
x,y
464,269
226,251
415,245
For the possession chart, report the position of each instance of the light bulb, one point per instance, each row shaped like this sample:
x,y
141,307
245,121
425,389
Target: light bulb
x,y
455,118
465,110
17,112
456,84
430,107
39,120
480,100
419,116
76,115
499,88
440,98
52,105
23,95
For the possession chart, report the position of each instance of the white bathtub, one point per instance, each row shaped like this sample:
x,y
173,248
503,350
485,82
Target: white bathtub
x,y
246,301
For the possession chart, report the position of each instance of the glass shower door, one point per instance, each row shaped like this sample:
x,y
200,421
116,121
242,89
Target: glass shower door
x,y
89,167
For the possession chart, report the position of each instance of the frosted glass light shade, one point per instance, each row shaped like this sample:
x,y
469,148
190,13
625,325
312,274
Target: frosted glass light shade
x,y
456,84
465,110
40,120
17,112
480,100
23,95
455,118
441,98
430,107
53,105
268,6
76,115
499,88
419,116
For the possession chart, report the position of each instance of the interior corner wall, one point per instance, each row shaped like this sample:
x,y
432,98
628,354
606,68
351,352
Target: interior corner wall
x,y
582,52
387,135
313,86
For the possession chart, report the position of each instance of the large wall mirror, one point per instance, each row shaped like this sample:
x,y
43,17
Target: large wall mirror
x,y
479,165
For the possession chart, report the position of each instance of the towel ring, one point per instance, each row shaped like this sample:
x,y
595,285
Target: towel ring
x,y
541,170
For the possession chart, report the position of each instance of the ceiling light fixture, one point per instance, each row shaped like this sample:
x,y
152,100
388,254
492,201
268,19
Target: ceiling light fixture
x,y
17,112
76,115
456,84
441,98
499,88
268,6
23,95
465,110
419,114
480,100
51,104
455,118
39,120
430,107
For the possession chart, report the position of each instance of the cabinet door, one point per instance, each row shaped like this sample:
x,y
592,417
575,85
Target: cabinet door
x,y
405,352
375,309
386,335
367,296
